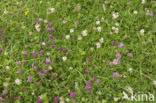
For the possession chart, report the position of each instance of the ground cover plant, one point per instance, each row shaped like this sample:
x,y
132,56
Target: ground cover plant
x,y
77,51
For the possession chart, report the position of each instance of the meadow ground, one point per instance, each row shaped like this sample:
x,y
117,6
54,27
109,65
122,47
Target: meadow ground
x,y
77,51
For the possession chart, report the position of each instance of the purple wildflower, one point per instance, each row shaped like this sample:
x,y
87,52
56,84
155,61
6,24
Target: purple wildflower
x,y
19,63
41,74
114,43
41,52
130,54
25,53
118,55
1,50
51,36
50,23
118,62
53,29
60,49
48,30
111,64
89,83
45,71
29,79
88,88
151,14
116,75
88,71
48,61
1,99
52,74
39,101
19,97
121,45
47,43
56,99
4,91
35,54
35,68
73,95
53,46
20,71
38,21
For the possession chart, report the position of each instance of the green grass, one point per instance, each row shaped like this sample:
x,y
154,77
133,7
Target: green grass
x,y
79,54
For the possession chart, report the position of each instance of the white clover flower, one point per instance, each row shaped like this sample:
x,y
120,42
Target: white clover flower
x,y
101,40
70,68
99,29
64,21
67,99
98,45
5,53
116,99
143,2
130,70
135,12
5,11
84,32
154,82
64,58
117,24
52,10
45,21
18,81
67,36
43,43
48,53
115,15
79,38
7,68
102,19
113,28
71,30
142,31
17,3
37,27
97,22
61,101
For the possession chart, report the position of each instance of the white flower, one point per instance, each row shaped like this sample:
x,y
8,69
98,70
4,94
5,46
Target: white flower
x,y
102,19
143,2
70,68
99,92
67,99
18,81
113,28
48,53
7,68
135,12
84,32
43,43
52,10
101,40
71,30
40,1
142,31
37,27
115,15
98,45
79,38
98,22
154,82
116,99
64,21
61,102
5,11
45,21
5,53
64,58
32,93
117,24
129,89
130,70
99,29
67,36
17,3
